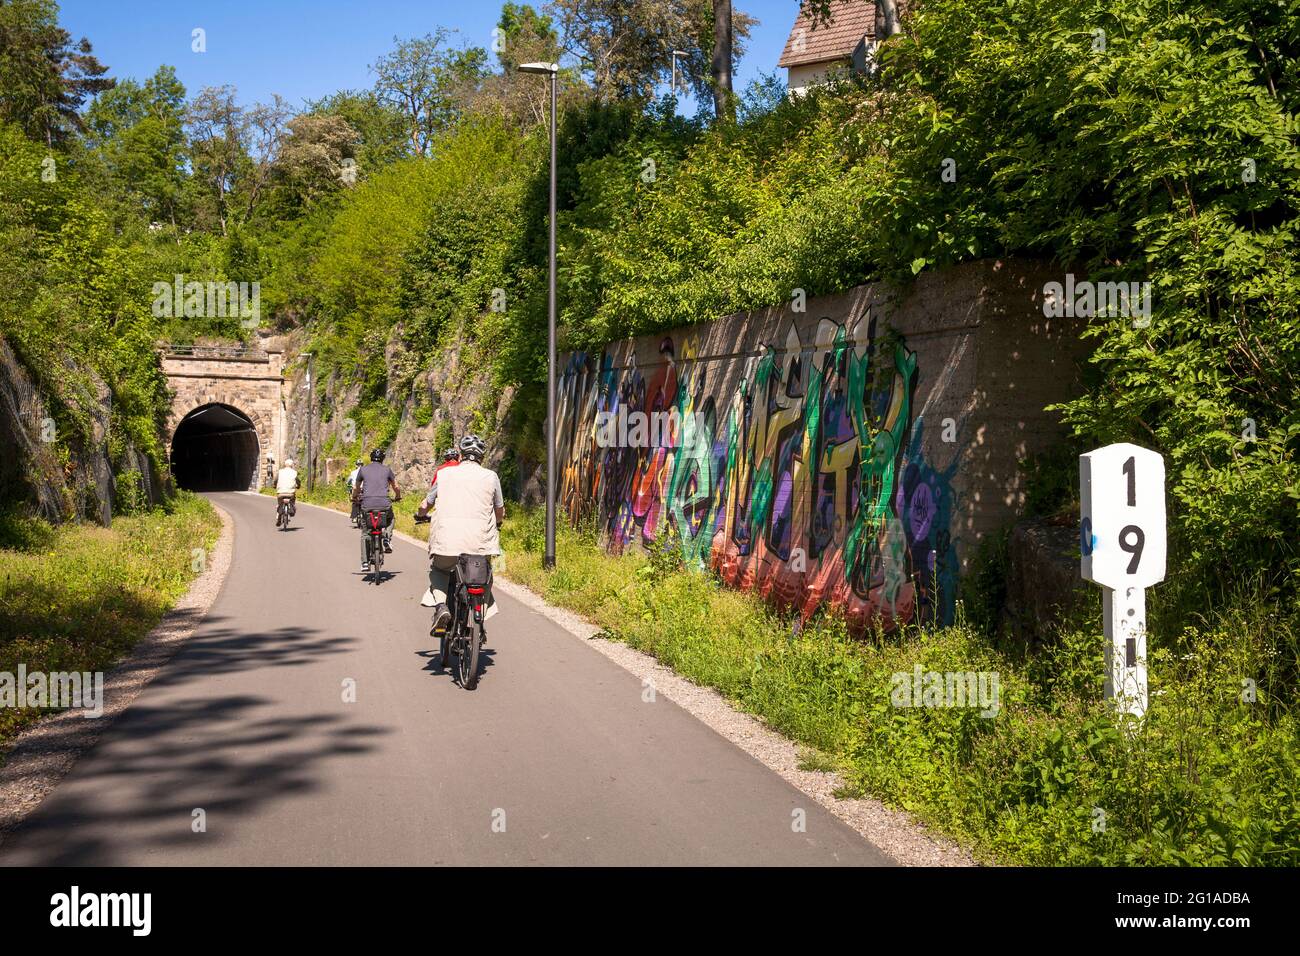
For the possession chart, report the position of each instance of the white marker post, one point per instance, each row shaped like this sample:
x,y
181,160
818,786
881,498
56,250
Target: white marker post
x,y
1122,548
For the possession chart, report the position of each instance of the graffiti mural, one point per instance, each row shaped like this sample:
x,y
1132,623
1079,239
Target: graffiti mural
x,y
794,470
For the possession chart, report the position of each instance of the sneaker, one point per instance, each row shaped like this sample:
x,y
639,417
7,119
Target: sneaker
x,y
388,548
440,621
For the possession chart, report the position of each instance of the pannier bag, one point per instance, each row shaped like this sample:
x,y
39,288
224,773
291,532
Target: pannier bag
x,y
474,570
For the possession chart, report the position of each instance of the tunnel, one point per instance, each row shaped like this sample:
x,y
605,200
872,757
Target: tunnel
x,y
215,448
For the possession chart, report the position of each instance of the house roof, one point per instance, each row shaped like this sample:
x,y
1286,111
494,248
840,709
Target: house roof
x,y
850,21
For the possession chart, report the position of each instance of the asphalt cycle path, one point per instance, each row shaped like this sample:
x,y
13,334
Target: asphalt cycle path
x,y
308,721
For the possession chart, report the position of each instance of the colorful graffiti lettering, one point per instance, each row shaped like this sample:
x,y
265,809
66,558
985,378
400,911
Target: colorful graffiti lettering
x,y
795,472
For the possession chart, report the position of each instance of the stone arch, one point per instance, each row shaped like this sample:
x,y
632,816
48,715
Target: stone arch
x,y
216,446
247,382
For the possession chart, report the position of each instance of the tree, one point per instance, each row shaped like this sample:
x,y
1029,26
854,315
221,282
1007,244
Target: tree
x,y
265,129
138,132
311,161
45,77
432,87
721,66
218,128
626,46
523,35
380,128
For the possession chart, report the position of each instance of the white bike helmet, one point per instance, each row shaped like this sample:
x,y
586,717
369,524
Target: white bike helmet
x,y
472,447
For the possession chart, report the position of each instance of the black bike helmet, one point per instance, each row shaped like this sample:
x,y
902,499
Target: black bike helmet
x,y
473,448
377,455
451,453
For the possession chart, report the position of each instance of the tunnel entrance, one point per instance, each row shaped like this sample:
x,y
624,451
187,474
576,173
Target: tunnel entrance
x,y
215,449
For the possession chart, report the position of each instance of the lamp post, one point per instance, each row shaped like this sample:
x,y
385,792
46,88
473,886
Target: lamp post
x,y
676,54
309,399
548,557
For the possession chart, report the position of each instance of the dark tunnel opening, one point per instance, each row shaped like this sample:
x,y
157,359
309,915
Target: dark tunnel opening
x,y
214,449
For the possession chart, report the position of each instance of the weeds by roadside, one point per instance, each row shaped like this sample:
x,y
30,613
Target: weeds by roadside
x,y
78,597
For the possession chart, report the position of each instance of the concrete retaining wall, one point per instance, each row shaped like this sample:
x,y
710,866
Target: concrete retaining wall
x,y
853,453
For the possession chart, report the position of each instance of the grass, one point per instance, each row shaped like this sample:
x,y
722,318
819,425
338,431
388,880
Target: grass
x,y
1210,778
79,597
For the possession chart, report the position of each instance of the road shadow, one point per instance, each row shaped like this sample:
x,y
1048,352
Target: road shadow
x,y
226,757
217,649
434,666
384,575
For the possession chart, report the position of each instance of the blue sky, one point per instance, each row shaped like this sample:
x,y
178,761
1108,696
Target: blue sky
x,y
308,48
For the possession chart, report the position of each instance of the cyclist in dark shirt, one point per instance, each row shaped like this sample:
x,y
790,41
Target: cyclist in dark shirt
x,y
371,493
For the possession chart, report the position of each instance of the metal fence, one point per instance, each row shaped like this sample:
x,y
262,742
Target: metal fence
x,y
213,351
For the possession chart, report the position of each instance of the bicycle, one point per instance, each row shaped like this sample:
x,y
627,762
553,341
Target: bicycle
x,y
374,531
469,591
282,515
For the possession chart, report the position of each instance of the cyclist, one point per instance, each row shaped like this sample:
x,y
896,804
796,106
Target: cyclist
x,y
370,493
450,458
352,482
287,484
469,513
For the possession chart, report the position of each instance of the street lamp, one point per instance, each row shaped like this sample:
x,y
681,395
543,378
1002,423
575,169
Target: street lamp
x,y
548,557
307,386
676,54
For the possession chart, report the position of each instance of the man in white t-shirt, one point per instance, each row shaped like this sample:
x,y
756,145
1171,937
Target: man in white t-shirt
x,y
469,513
286,486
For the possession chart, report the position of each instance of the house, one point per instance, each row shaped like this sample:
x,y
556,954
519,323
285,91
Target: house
x,y
847,41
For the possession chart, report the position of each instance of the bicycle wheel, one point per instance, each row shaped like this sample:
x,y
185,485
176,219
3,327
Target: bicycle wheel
x,y
374,560
469,659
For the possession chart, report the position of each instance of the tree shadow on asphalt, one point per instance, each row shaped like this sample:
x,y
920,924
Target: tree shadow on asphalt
x,y
222,755
221,650
215,755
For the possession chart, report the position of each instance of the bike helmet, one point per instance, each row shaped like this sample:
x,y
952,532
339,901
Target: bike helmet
x,y
377,455
359,462
451,453
288,463
473,448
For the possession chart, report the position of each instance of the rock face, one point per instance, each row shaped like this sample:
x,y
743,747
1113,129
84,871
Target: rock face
x,y
57,472
443,403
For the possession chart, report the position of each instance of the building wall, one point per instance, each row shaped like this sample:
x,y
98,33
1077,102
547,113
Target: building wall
x,y
854,453
800,78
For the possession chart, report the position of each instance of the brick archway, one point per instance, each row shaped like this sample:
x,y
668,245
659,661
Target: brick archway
x,y
249,381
